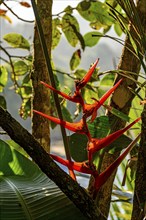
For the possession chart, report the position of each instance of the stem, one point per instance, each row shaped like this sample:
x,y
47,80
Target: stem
x,y
52,80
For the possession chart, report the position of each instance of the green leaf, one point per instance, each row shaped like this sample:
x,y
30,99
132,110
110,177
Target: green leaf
x,y
68,9
78,147
78,142
75,59
119,144
3,102
14,163
80,73
25,109
69,27
3,77
118,113
85,5
118,29
17,41
20,68
66,114
89,93
27,193
90,40
56,34
100,127
25,92
107,80
98,13
27,81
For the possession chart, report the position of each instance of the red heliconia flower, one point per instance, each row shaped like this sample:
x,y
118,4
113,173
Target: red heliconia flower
x,y
97,144
81,83
102,178
79,127
77,98
91,109
78,166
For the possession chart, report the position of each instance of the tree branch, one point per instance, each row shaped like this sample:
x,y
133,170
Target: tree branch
x,y
71,188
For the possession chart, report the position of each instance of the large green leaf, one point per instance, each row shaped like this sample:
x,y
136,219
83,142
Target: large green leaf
x,y
78,147
78,143
27,193
17,41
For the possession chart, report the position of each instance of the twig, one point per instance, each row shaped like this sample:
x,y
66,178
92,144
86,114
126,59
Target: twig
x,y
31,21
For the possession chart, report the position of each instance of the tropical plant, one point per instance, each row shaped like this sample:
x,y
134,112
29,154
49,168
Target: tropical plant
x,y
92,136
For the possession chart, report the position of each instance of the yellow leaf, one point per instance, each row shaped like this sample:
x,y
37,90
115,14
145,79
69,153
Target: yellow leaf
x,y
7,18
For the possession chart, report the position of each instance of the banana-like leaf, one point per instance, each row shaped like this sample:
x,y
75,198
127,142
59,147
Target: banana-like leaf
x,y
27,193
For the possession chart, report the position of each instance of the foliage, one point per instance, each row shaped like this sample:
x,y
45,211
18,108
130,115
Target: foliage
x,y
28,193
101,16
95,141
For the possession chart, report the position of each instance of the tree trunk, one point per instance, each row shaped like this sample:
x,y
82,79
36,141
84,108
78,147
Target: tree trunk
x,y
139,203
121,100
41,95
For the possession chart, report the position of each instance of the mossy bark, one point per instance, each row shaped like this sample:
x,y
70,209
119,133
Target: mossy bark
x,y
41,95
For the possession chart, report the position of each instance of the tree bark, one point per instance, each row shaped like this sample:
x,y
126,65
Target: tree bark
x,y
71,188
41,95
139,202
121,100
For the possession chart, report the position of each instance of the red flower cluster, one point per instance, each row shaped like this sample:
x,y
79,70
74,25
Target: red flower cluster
x,y
81,127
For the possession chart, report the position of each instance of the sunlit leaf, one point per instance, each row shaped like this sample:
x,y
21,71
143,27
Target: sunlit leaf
x,y
17,41
75,59
3,77
27,81
97,13
69,27
20,68
85,5
68,9
56,34
25,91
27,193
91,41
80,73
118,29
25,109
90,93
107,80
